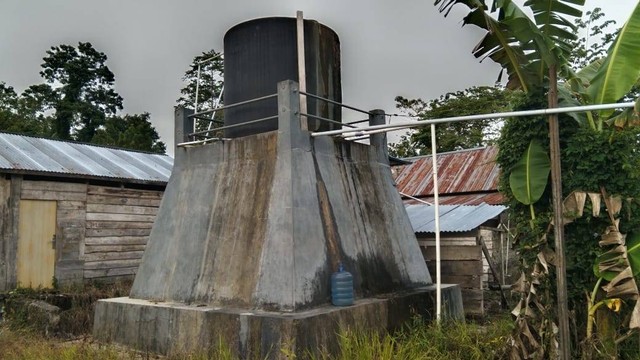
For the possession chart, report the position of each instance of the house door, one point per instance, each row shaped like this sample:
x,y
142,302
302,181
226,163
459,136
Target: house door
x,y
36,243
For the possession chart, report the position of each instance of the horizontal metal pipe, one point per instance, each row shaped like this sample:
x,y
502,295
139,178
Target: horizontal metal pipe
x,y
234,125
334,102
202,141
348,135
356,138
209,119
411,124
233,105
357,122
327,120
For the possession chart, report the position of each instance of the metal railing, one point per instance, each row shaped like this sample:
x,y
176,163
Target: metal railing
x,y
334,102
213,133
206,133
224,107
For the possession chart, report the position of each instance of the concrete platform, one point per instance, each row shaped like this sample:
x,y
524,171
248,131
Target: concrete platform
x,y
169,328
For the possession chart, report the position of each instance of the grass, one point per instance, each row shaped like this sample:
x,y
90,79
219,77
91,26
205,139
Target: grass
x,y
23,338
77,305
429,341
418,341
27,345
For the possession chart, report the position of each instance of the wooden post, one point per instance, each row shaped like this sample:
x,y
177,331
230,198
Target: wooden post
x,y
558,229
11,237
302,73
503,298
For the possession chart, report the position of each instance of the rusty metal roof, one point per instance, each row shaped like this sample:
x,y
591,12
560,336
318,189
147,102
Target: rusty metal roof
x,y
465,172
453,218
33,155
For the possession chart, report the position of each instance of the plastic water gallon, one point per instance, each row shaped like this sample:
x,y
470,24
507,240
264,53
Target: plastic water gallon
x,y
341,287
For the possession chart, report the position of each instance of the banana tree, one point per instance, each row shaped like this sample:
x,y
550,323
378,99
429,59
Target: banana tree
x,y
525,47
532,50
618,265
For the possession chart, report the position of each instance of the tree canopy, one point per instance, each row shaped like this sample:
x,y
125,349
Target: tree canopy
x,y
76,101
131,132
455,135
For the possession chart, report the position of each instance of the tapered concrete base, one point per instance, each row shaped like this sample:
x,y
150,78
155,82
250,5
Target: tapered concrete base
x,y
170,328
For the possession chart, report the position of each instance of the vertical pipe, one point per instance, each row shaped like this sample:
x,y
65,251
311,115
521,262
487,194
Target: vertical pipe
x,y
302,75
195,105
216,103
558,229
436,203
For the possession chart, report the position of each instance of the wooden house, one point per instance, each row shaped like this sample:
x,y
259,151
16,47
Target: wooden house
x,y
72,212
470,218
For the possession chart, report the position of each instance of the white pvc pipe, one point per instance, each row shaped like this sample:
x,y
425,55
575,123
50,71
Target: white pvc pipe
x,y
195,111
436,204
216,103
415,198
414,123
209,59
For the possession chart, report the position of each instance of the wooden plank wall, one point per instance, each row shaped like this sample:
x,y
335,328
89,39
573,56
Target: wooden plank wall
x,y
118,224
5,236
461,263
70,218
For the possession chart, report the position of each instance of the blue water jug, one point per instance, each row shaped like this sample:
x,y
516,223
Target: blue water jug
x,y
341,287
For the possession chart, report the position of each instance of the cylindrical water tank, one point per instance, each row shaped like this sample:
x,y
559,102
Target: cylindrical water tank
x,y
260,53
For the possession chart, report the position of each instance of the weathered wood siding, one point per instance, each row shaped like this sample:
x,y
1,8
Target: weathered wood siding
x,y
5,226
118,223
460,263
10,186
101,231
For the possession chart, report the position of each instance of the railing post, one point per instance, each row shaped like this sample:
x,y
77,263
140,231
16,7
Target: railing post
x,y
183,126
290,134
379,140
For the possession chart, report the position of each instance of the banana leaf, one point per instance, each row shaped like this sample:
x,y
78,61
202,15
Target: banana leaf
x,y
621,68
529,176
628,117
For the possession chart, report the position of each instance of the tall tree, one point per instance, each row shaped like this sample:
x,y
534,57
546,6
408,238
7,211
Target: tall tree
x,y
80,87
77,102
209,83
456,135
131,132
594,34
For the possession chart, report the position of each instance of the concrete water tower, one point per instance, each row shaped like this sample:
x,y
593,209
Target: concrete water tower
x,y
252,225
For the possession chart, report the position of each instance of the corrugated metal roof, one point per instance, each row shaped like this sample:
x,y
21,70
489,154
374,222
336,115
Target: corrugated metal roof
x,y
33,155
453,218
459,172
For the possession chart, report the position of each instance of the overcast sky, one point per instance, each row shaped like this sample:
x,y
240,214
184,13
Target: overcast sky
x,y
389,48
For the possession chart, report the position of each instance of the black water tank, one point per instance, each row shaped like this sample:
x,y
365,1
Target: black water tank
x,y
260,53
